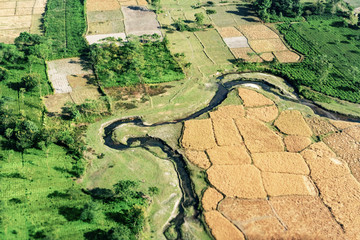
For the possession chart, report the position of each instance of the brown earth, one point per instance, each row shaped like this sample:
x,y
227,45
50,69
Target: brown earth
x,y
210,199
292,122
255,217
233,180
102,5
229,155
252,98
221,228
198,158
198,135
320,126
354,132
306,217
280,162
296,143
226,132
258,137
230,111
265,114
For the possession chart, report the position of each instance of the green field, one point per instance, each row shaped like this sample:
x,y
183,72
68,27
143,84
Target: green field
x,y
331,57
65,25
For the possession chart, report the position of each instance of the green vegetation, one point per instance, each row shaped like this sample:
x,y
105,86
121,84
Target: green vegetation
x,y
135,62
65,25
331,64
274,10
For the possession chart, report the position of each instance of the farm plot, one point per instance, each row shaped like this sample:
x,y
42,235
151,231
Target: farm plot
x,y
105,19
140,21
20,16
70,80
272,192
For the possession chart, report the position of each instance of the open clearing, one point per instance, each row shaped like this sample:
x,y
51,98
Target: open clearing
x,y
70,79
20,16
266,192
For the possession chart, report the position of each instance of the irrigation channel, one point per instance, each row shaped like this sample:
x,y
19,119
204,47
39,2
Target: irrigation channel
x,y
189,198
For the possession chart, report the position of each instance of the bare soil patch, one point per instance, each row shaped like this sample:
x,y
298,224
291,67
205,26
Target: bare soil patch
x,y
226,133
296,143
198,158
99,38
230,111
280,162
227,32
15,22
229,155
233,180
7,4
55,103
265,114
267,45
283,184
221,228
306,218
320,126
7,12
198,135
253,99
210,199
8,36
258,137
257,31
292,123
254,217
286,56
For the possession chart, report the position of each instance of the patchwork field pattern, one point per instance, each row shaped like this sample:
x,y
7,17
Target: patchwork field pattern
x,y
20,16
70,79
265,182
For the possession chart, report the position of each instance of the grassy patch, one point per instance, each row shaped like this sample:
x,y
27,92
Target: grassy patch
x,y
65,25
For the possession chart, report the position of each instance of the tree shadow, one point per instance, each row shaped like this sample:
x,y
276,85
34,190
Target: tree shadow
x,y
246,13
14,85
71,213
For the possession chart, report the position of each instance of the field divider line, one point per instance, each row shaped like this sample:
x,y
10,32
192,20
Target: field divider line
x,y
241,230
206,54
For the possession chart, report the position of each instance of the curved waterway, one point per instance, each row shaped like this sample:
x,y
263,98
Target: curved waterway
x,y
189,198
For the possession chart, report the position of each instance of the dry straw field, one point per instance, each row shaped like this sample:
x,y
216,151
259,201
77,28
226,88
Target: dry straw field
x,y
20,16
266,172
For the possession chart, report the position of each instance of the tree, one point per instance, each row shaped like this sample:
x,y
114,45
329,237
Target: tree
x,y
32,59
4,73
199,18
30,81
26,134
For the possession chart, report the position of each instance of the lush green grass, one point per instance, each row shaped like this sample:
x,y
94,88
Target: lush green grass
x,y
65,25
324,36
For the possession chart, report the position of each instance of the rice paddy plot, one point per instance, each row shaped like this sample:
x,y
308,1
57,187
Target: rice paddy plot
x,y
257,31
140,21
286,56
102,5
105,22
229,32
236,42
20,16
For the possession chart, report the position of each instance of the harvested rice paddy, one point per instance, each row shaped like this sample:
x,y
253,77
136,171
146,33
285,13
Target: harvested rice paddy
x,y
269,185
20,16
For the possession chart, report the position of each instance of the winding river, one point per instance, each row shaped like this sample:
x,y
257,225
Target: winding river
x,y
189,198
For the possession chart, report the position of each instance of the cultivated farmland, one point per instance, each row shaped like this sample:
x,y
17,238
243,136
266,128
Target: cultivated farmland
x,y
277,173
20,16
